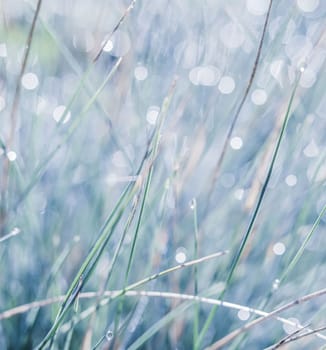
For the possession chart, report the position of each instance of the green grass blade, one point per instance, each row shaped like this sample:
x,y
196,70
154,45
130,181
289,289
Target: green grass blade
x,y
244,240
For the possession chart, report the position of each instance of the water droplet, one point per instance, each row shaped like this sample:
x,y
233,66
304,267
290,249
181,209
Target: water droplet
x,y
109,335
226,85
276,69
11,155
152,114
257,7
204,75
308,5
15,231
108,46
140,73
311,150
279,248
232,35
58,113
291,328
307,78
181,255
243,314
3,50
119,44
41,105
291,180
2,103
56,240
276,284
259,97
238,194
193,204
30,81
236,142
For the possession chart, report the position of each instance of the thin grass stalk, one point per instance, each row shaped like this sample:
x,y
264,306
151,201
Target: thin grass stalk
x,y
88,88
238,110
244,240
153,155
90,261
114,260
41,168
105,234
196,308
13,123
39,171
299,253
225,340
293,338
24,308
121,20
188,297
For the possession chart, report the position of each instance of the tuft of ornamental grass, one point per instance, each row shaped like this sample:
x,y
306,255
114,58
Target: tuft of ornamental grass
x,y
162,175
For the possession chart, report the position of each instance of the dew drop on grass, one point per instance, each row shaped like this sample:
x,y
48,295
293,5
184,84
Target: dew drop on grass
x,y
15,231
238,194
291,180
152,114
11,155
108,46
276,69
311,150
302,67
2,103
59,112
236,142
118,45
204,75
56,240
181,255
243,315
140,73
109,335
193,204
259,97
307,78
41,105
276,284
291,328
226,85
279,248
30,81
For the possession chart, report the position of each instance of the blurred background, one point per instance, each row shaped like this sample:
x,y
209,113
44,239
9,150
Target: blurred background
x,y
74,131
